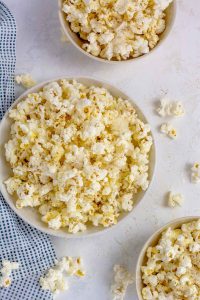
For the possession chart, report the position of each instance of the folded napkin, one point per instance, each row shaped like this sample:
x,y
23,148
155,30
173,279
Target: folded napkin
x,y
18,241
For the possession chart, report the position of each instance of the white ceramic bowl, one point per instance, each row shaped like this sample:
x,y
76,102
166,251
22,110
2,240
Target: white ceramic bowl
x,y
30,215
77,41
152,241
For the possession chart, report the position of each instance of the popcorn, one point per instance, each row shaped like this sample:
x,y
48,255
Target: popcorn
x,y
175,200
122,279
177,109
127,202
117,30
168,130
55,223
170,108
81,166
55,279
5,272
25,80
195,174
171,265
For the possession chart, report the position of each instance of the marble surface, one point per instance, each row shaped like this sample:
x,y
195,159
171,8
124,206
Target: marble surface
x,y
172,69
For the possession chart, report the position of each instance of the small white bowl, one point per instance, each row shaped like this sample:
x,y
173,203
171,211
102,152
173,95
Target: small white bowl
x,y
30,215
78,42
152,241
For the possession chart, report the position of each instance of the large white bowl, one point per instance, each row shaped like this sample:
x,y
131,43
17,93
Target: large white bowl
x,y
30,215
78,42
151,242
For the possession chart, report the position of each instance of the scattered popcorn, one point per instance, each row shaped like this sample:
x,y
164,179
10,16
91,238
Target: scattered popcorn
x,y
172,270
25,80
78,155
175,199
122,279
195,175
177,109
55,279
117,30
168,130
170,108
5,272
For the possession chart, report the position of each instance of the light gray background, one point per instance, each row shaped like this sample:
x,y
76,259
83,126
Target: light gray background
x,y
174,68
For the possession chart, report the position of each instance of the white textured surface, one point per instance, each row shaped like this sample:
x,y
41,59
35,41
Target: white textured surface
x,y
174,68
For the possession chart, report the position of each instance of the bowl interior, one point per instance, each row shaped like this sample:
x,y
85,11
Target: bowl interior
x,y
152,241
30,215
78,42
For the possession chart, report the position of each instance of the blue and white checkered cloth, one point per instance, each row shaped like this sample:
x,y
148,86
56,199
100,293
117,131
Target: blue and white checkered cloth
x,y
18,241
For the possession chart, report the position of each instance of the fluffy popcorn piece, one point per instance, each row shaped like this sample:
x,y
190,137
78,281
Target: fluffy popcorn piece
x,y
195,173
127,202
25,80
122,279
170,108
175,200
117,30
177,109
55,223
78,155
5,272
171,270
55,279
165,107
168,130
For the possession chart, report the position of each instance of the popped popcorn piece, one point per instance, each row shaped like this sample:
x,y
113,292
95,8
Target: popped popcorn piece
x,y
172,267
117,30
195,173
5,272
170,108
177,109
175,200
78,155
25,80
55,280
168,130
165,107
122,279
55,223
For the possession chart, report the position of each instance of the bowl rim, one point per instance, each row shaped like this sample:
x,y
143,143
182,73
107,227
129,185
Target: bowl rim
x,y
98,230
66,28
175,223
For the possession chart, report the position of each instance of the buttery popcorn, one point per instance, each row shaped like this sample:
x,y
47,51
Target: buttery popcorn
x,y
55,279
170,108
5,272
78,155
117,29
168,130
122,279
172,270
175,199
25,80
195,173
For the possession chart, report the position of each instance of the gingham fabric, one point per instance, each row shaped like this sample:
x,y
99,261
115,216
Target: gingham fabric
x,y
18,241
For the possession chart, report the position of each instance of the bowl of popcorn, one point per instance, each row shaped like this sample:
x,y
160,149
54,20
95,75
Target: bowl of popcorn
x,y
119,30
76,156
169,263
